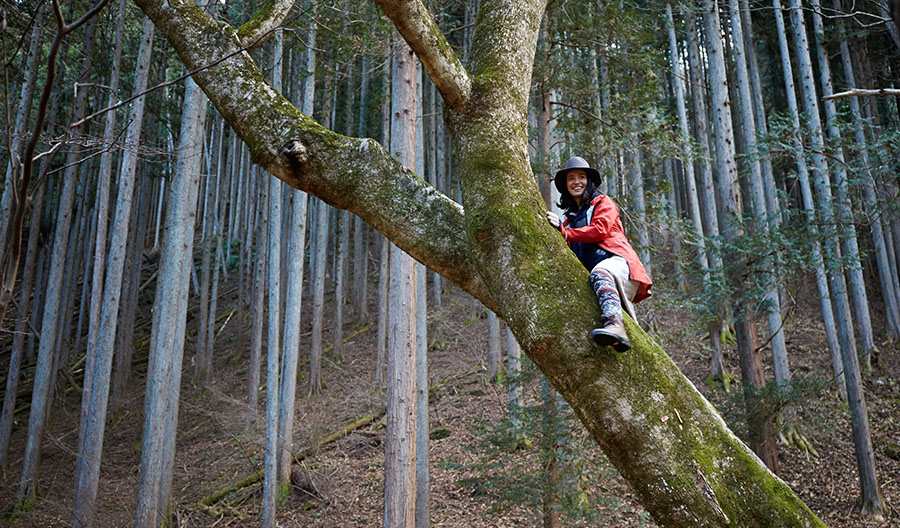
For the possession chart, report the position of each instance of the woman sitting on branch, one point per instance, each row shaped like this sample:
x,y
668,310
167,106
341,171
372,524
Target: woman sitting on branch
x,y
594,232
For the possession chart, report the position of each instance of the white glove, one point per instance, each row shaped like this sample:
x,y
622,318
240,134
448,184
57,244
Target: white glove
x,y
554,220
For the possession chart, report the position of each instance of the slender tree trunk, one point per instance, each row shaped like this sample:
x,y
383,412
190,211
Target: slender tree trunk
x,y
687,157
762,438
131,285
257,308
423,477
22,317
846,227
759,115
169,316
95,395
273,344
836,283
400,431
871,498
707,194
383,280
101,218
805,189
291,336
202,364
47,352
423,472
639,205
343,243
321,254
432,150
757,186
494,352
513,376
549,435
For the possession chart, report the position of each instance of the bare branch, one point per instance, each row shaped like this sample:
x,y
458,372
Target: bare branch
x,y
862,92
414,21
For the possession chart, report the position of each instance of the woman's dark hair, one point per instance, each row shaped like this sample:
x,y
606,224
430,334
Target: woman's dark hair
x,y
567,203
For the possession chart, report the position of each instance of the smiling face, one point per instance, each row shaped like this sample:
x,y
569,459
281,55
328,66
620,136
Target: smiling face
x,y
576,181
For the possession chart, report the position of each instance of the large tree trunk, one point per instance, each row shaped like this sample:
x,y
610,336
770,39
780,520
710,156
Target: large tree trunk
x,y
686,467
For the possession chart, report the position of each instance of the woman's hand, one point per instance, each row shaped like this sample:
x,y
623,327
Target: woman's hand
x,y
554,220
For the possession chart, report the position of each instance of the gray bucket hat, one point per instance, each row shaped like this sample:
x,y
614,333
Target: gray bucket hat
x,y
575,162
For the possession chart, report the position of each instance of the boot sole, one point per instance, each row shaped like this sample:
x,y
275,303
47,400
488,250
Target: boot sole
x,y
604,338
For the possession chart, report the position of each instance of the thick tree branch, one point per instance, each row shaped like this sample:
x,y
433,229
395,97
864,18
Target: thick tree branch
x,y
418,27
255,31
353,174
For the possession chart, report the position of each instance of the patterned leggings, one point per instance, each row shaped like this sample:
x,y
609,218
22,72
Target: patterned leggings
x,y
607,294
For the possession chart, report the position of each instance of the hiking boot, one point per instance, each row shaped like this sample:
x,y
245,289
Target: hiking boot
x,y
611,333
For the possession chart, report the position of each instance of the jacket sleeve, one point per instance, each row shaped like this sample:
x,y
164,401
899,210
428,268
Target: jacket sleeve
x,y
605,215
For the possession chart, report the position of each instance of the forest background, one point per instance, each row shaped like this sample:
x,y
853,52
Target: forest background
x,y
741,182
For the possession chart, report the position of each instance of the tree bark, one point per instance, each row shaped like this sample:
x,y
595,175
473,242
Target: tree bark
x,y
844,217
707,194
291,335
761,205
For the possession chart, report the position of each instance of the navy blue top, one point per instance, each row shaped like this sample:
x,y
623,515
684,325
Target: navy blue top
x,y
589,253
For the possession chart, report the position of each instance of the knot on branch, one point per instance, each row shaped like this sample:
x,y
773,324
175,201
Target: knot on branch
x,y
296,153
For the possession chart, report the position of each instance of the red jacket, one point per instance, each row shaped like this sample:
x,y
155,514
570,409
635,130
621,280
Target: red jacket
x,y
605,229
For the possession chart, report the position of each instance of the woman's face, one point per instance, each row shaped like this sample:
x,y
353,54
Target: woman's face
x,y
576,181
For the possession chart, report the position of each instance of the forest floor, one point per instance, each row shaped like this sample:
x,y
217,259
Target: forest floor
x,y
480,477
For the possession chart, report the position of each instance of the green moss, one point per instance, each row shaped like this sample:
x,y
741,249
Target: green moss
x,y
250,27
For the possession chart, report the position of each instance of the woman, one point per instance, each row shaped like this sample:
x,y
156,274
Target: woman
x,y
593,230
